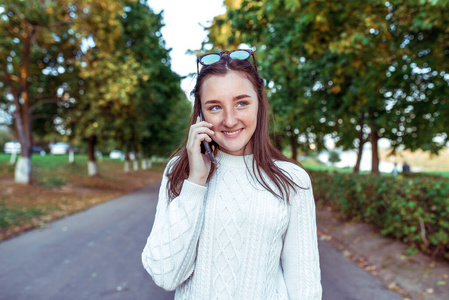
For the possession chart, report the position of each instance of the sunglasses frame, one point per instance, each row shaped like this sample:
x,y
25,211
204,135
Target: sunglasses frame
x,y
221,53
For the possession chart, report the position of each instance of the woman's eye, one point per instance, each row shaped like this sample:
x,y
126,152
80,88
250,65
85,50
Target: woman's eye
x,y
216,107
242,104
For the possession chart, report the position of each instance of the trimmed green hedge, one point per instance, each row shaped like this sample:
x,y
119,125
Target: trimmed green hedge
x,y
413,209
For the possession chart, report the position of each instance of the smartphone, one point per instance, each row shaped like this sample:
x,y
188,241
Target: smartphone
x,y
206,144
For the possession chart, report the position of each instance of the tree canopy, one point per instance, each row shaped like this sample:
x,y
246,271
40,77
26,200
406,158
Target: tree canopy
x,y
93,71
356,71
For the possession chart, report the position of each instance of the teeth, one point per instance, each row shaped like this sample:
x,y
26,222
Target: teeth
x,y
231,132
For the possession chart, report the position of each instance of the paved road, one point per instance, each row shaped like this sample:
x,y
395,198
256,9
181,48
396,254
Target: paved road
x,y
95,254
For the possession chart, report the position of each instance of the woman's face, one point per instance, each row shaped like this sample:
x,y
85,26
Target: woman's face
x,y
230,103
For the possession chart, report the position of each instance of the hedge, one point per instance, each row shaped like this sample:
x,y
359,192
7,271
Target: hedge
x,y
412,209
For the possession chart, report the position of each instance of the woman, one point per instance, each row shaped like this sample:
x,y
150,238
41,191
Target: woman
x,y
243,226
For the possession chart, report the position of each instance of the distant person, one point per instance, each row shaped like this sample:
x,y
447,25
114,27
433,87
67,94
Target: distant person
x,y
237,222
405,168
395,170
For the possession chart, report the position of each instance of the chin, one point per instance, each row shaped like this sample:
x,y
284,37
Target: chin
x,y
235,150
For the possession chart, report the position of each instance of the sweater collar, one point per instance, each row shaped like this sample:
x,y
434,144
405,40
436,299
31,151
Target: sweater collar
x,y
234,161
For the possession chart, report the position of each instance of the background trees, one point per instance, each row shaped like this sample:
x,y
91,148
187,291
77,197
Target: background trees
x,y
93,71
354,71
36,49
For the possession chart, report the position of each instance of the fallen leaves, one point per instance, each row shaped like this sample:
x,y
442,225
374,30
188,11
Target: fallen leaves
x,y
25,202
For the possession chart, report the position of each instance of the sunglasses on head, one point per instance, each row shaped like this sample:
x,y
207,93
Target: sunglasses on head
x,y
211,58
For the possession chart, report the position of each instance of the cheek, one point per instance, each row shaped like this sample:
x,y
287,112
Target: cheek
x,y
253,117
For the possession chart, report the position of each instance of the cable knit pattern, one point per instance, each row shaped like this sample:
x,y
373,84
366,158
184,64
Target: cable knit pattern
x,y
235,240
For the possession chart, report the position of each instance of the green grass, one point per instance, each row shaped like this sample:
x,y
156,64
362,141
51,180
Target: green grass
x,y
54,170
314,165
16,215
439,173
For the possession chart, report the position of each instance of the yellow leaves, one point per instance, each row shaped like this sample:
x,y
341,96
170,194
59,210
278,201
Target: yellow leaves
x,y
233,4
336,89
50,10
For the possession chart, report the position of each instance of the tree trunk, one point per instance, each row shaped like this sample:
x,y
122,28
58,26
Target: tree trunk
x,y
127,161
71,156
359,157
294,145
13,158
136,161
277,142
361,144
22,172
92,167
375,152
22,112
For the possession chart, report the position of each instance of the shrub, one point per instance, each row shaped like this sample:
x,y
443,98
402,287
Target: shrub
x,y
413,209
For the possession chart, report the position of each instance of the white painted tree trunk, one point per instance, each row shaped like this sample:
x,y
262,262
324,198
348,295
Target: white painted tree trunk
x,y
71,156
144,164
127,167
150,164
22,172
12,159
92,168
136,165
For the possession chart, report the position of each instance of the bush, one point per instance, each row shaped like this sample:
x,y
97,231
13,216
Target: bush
x,y
413,209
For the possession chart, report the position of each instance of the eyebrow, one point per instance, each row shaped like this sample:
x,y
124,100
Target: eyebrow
x,y
236,98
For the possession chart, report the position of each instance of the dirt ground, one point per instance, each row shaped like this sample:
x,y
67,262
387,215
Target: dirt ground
x,y
413,276
79,194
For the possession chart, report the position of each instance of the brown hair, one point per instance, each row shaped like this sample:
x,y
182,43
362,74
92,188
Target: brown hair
x,y
263,151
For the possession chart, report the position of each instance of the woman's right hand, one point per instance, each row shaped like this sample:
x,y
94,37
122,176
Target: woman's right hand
x,y
199,163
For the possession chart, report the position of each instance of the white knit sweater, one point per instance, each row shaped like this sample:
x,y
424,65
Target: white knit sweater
x,y
233,239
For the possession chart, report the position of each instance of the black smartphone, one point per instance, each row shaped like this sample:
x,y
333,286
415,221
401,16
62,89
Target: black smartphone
x,y
206,144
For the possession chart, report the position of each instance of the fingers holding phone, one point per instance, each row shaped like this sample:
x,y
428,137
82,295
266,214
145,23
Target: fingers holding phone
x,y
199,163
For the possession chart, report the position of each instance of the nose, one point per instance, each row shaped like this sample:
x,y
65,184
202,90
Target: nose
x,y
230,119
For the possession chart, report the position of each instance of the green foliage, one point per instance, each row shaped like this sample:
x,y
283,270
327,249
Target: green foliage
x,y
414,209
353,70
37,52
89,70
334,157
130,99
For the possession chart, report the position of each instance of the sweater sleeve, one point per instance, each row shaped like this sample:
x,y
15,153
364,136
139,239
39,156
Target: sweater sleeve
x,y
300,258
170,251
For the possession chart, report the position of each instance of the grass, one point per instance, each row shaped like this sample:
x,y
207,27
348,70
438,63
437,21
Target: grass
x,y
312,164
59,189
439,173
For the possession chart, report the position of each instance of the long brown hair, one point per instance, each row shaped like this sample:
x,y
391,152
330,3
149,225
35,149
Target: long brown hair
x,y
263,151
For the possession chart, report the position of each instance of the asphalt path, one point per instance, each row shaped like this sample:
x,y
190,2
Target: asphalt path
x,y
95,254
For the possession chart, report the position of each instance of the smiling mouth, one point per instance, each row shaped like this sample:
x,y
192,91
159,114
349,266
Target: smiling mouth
x,y
232,133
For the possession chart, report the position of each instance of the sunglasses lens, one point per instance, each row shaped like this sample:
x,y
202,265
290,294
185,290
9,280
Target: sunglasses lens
x,y
210,59
240,54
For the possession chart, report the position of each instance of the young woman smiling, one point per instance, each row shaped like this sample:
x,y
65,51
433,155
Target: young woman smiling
x,y
242,226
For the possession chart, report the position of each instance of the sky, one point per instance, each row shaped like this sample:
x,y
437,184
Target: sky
x,y
184,22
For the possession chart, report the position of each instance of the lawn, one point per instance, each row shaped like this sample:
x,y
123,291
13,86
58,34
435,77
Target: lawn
x,y
59,188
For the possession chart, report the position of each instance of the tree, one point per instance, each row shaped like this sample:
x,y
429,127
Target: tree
x,y
36,47
334,157
161,106
129,94
329,66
